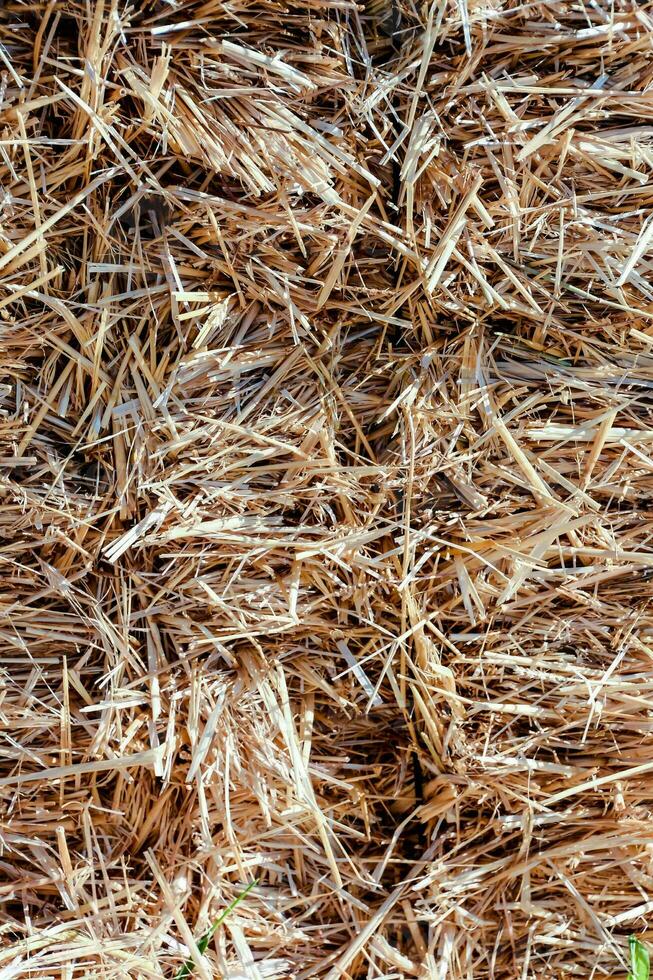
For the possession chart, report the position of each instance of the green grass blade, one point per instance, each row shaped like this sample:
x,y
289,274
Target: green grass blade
x,y
640,962
202,944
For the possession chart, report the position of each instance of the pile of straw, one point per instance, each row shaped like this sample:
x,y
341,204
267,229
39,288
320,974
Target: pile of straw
x,y
326,334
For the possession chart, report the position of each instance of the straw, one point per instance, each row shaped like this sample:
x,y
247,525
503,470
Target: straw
x,y
326,333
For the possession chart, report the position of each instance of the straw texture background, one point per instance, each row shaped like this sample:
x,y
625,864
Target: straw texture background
x,y
326,525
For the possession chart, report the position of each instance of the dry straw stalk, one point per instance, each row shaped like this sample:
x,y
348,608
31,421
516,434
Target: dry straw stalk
x,y
326,334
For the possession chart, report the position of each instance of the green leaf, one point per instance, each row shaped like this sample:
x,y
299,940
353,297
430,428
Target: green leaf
x,y
640,962
202,944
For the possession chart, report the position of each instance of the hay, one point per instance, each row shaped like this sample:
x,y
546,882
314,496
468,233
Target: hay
x,y
327,357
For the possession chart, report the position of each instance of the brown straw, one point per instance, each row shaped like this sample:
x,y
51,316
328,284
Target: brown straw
x,y
326,535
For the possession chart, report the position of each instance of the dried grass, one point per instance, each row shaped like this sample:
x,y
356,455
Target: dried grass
x,y
327,356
